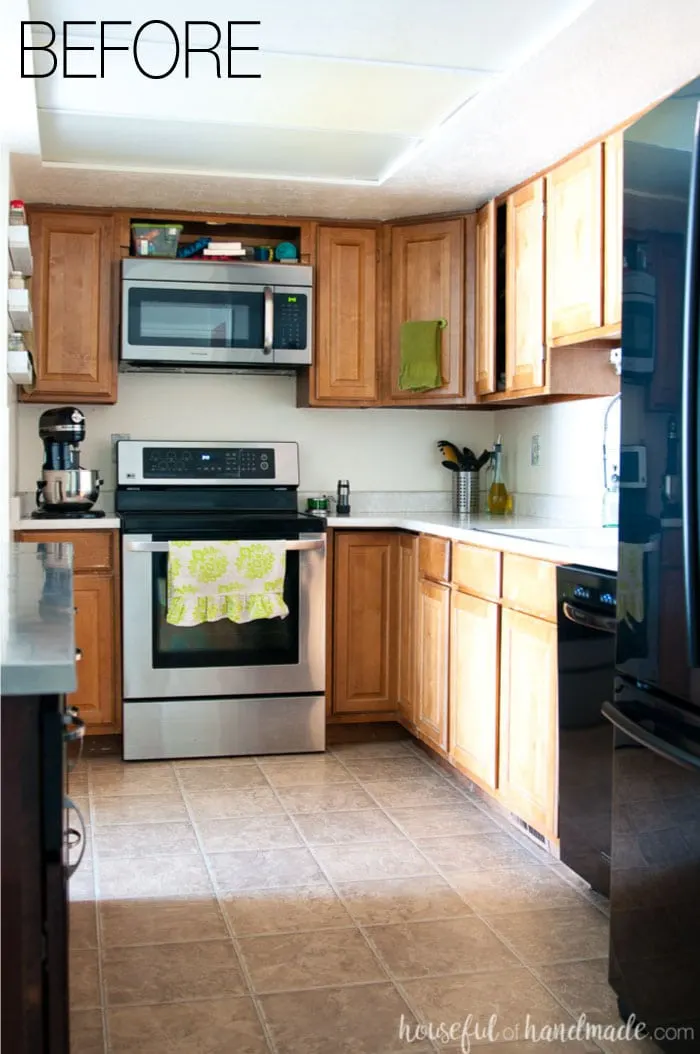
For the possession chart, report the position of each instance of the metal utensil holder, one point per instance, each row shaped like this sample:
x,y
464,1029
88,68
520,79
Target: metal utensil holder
x,y
465,493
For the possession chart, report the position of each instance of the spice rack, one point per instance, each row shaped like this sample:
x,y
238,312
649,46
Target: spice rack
x,y
20,367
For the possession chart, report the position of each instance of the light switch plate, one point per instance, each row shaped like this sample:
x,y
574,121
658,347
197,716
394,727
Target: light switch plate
x,y
115,437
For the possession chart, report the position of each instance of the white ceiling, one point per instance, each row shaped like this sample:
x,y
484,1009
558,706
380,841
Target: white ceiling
x,y
366,108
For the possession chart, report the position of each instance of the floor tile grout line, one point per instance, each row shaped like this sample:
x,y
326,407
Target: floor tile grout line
x,y
374,951
269,1039
357,925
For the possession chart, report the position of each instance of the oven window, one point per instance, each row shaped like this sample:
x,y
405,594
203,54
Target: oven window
x,y
264,642
195,318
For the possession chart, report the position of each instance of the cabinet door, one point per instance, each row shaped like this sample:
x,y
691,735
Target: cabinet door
x,y
485,373
427,282
612,235
407,619
525,288
432,656
346,345
364,652
95,633
474,687
527,770
575,245
73,299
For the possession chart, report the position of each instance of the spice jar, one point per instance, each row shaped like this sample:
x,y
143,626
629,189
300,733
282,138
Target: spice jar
x,y
18,216
16,280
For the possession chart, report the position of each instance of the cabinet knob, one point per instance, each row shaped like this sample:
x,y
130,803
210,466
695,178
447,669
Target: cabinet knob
x,y
78,654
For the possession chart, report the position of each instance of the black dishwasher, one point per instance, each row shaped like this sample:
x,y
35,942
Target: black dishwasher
x,y
586,626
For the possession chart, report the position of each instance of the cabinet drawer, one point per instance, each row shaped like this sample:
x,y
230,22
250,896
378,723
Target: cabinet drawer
x,y
434,558
92,550
476,570
530,585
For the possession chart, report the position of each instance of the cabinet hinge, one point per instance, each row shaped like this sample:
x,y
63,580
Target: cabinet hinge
x,y
544,208
543,353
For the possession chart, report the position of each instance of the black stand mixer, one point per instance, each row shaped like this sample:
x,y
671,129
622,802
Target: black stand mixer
x,y
65,489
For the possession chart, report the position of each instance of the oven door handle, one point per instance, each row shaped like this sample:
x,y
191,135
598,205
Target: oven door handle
x,y
604,623
163,547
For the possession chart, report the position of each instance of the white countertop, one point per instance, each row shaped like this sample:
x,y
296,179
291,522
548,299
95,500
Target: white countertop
x,y
63,523
525,535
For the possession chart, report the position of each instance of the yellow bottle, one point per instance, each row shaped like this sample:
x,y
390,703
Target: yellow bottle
x,y
498,500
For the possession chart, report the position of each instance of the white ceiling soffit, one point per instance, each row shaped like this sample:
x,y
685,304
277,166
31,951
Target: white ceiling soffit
x,y
347,90
615,59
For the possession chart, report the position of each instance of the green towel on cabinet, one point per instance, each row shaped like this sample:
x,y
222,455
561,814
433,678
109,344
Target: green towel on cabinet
x,y
420,346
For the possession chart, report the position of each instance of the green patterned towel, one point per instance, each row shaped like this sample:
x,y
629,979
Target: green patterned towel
x,y
240,581
420,346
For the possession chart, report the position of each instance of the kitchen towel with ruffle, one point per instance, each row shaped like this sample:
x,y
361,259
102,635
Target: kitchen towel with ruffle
x,y
239,581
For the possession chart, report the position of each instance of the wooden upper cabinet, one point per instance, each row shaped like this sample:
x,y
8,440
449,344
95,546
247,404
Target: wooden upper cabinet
x,y
346,313
74,297
407,626
525,288
485,373
364,622
432,657
575,245
612,236
474,687
427,282
528,719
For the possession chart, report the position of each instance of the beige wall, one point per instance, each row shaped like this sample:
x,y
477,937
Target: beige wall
x,y
387,450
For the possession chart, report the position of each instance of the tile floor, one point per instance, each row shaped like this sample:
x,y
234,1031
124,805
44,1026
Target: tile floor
x,y
309,904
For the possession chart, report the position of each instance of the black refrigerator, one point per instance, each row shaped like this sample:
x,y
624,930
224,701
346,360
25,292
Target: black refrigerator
x,y
655,710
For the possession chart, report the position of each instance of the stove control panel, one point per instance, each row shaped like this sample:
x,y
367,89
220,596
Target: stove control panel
x,y
206,463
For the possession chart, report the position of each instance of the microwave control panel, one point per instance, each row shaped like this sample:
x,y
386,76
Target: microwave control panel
x,y
209,463
291,316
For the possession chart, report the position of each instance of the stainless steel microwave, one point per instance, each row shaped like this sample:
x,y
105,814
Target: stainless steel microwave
x,y
185,314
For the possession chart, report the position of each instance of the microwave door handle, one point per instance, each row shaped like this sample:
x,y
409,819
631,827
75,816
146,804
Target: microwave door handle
x,y
268,320
689,429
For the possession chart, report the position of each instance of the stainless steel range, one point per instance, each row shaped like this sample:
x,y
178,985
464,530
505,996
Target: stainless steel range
x,y
218,688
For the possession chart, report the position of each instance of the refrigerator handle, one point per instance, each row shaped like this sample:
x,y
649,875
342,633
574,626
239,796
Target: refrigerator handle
x,y
648,739
689,431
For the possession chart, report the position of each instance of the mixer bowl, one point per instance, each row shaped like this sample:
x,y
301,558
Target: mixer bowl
x,y
77,488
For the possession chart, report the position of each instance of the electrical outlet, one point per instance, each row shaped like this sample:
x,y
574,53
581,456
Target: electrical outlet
x,y
535,450
115,437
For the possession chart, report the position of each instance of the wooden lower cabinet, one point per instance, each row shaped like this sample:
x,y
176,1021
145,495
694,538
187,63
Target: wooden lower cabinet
x,y
473,744
96,597
407,627
527,768
432,657
95,607
364,622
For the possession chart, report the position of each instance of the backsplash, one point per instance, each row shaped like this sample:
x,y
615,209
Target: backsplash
x,y
567,484
377,450
388,455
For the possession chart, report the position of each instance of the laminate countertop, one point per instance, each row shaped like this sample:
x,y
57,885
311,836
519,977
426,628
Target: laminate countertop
x,y
38,638
542,539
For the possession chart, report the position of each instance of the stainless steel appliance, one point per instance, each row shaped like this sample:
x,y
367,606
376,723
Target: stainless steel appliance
x,y
218,688
65,489
586,626
655,707
184,314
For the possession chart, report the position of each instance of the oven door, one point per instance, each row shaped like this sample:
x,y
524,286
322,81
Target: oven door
x,y
263,657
